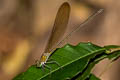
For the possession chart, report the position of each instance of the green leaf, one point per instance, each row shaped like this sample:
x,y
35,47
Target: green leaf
x,y
112,56
76,62
72,59
93,77
114,50
111,48
87,71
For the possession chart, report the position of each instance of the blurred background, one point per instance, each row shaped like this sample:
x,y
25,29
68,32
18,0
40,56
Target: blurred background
x,y
25,26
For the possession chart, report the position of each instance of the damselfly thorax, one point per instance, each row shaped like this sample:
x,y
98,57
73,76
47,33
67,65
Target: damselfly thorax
x,y
58,31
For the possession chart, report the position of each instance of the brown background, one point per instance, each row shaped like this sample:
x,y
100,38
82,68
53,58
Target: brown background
x,y
25,26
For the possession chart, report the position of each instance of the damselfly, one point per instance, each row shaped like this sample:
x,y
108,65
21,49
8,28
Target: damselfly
x,y
58,31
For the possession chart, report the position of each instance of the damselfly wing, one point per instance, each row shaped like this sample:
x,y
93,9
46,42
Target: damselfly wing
x,y
59,28
58,31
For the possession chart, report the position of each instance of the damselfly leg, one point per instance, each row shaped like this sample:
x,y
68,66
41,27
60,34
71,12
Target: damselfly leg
x,y
52,61
43,66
